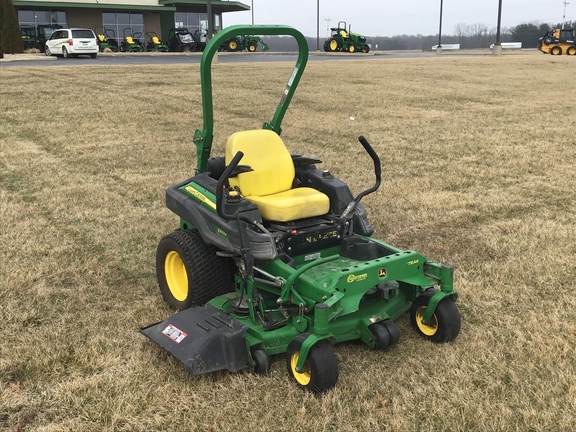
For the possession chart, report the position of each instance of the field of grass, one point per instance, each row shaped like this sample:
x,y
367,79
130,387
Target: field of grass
x,y
478,161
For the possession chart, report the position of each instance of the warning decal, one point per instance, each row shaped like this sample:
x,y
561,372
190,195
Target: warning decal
x,y
174,333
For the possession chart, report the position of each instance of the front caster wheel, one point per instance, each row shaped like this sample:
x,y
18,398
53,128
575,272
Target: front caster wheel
x,y
443,326
262,362
385,333
320,372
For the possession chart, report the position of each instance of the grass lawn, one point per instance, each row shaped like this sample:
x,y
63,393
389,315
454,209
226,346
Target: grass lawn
x,y
478,159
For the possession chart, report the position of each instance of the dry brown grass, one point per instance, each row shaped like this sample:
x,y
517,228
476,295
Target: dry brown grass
x,y
478,156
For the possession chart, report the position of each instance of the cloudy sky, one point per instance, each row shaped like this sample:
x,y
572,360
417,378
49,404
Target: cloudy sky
x,y
389,18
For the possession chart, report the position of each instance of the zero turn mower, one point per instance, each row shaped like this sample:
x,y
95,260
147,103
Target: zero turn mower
x,y
104,40
131,41
275,256
154,43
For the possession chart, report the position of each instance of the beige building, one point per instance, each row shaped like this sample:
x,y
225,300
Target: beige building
x,y
124,16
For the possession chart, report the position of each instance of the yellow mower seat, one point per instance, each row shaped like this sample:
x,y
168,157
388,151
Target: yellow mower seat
x,y
155,40
269,185
129,40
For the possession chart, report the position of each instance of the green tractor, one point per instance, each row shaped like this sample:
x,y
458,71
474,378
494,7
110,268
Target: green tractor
x,y
154,43
243,42
275,256
342,39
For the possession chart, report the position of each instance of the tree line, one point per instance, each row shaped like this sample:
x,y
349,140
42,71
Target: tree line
x,y
469,36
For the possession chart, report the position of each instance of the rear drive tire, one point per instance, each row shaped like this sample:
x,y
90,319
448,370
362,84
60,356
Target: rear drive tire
x,y
94,55
333,46
189,272
233,45
445,323
320,371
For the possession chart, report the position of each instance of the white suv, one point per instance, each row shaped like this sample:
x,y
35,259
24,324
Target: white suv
x,y
72,42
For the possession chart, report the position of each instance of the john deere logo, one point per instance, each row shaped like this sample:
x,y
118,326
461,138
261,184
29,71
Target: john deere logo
x,y
382,272
356,278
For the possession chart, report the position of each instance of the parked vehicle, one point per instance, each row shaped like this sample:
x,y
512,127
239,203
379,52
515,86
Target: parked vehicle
x,y
106,39
154,43
342,39
558,41
180,39
242,43
72,42
29,38
131,41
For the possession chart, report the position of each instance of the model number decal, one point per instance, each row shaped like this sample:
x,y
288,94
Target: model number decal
x,y
416,261
356,278
322,236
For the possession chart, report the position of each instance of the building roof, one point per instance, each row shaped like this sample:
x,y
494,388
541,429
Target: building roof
x,y
92,5
218,6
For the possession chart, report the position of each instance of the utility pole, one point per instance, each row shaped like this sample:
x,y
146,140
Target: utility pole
x,y
252,10
317,25
497,50
439,47
210,23
564,16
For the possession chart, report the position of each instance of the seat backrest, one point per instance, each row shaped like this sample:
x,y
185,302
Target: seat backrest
x,y
155,40
264,151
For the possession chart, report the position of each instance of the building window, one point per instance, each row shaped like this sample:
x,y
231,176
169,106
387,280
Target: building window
x,y
41,17
195,22
121,24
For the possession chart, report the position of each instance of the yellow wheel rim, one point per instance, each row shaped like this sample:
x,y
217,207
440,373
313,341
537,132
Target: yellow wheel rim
x,y
429,329
303,377
176,276
233,45
333,45
252,48
352,49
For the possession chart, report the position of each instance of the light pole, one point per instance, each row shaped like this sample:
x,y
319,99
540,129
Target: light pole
x,y
497,50
439,47
317,25
252,10
210,24
564,16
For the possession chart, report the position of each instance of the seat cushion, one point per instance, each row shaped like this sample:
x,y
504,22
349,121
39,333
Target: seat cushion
x,y
292,204
271,163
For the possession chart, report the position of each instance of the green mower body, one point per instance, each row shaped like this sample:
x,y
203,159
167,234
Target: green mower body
x,y
249,285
